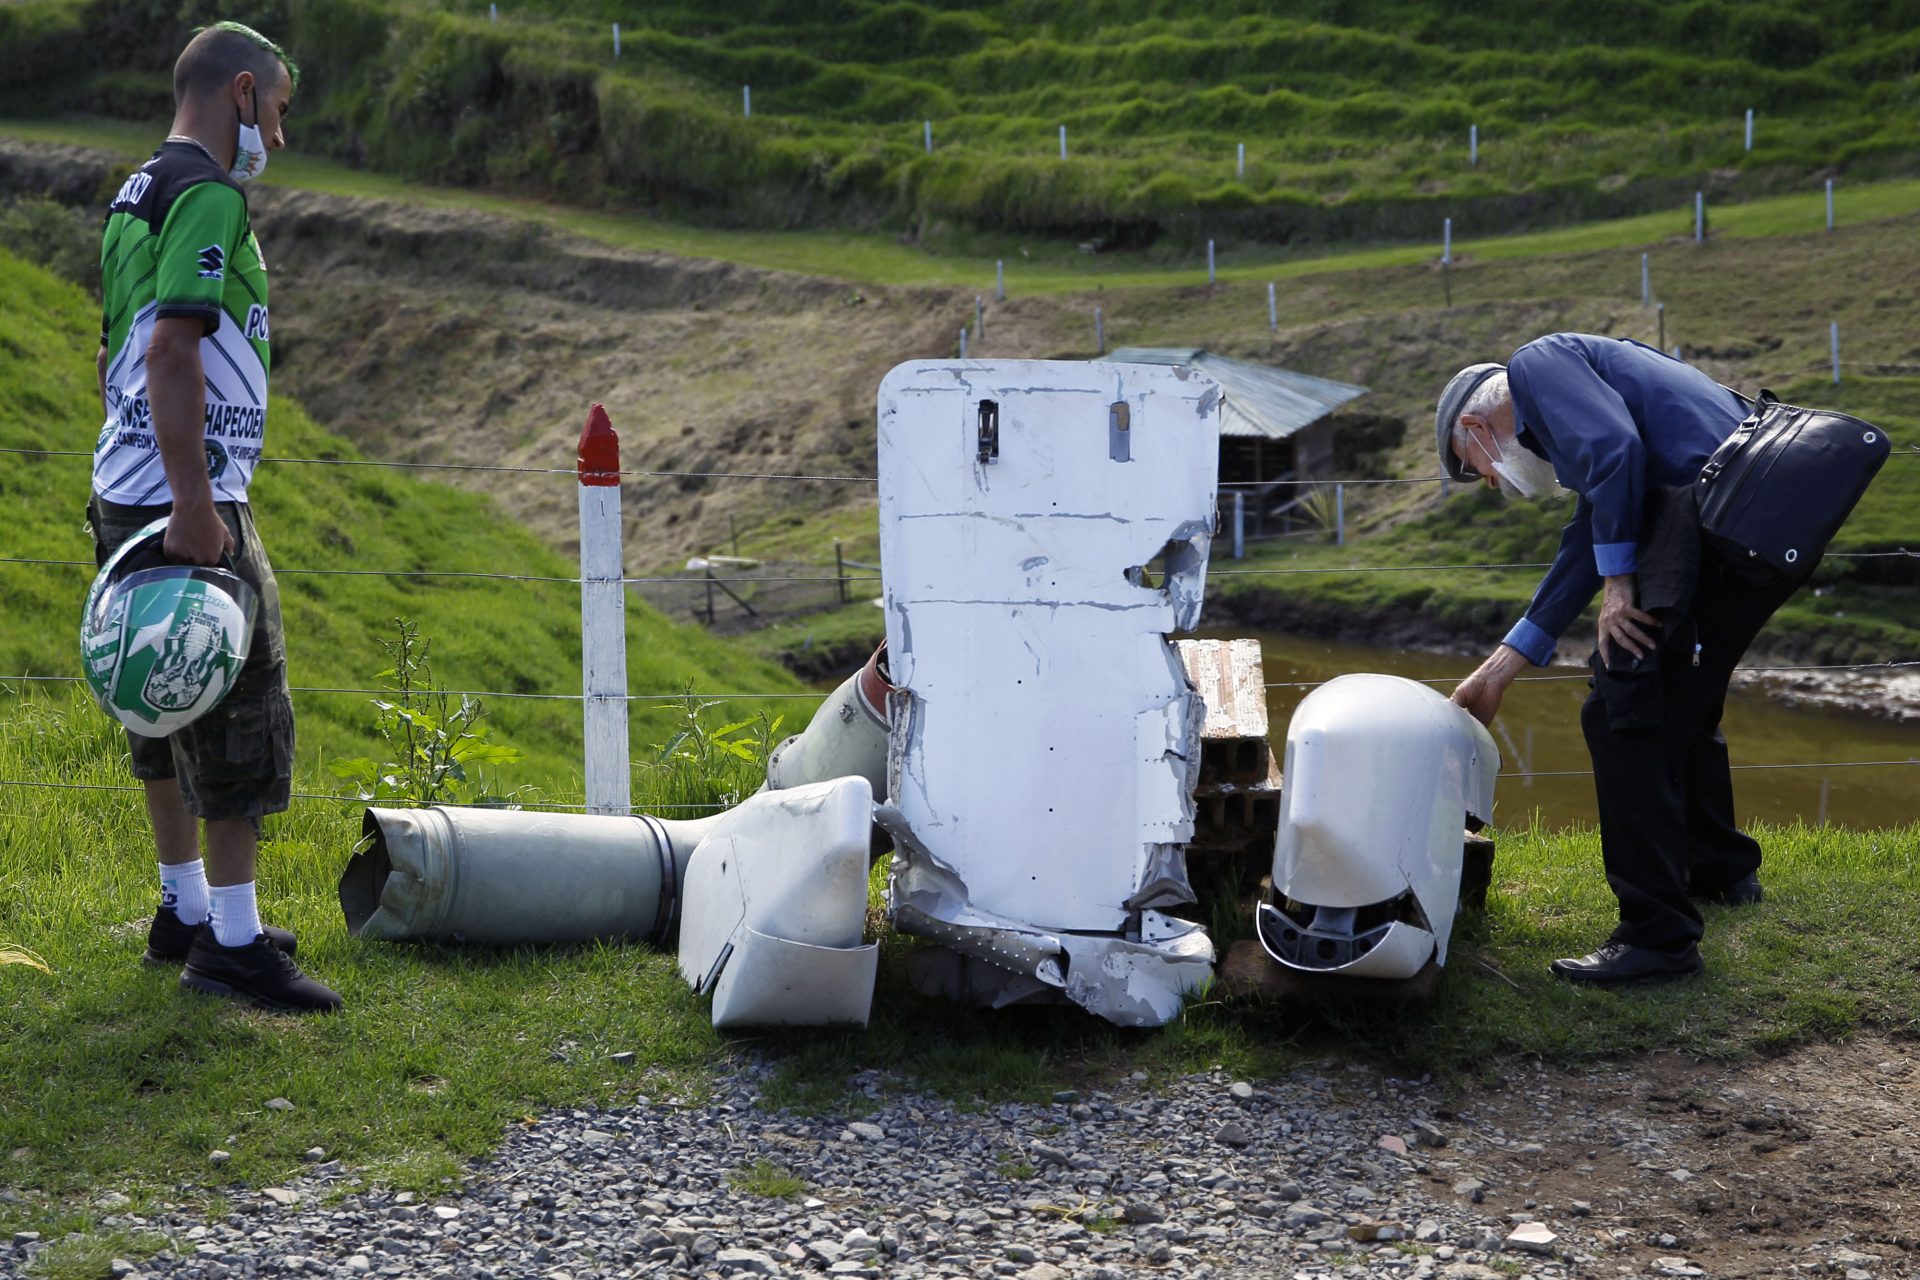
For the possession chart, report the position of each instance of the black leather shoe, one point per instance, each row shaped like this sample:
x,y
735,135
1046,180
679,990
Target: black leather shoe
x,y
258,972
1743,892
169,938
1620,964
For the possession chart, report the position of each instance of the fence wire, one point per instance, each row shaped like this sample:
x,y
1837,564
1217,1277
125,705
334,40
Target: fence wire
x,y
792,477
681,694
1829,764
572,472
547,807
537,806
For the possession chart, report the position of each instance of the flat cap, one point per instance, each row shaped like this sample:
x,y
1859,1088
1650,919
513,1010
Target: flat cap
x,y
1459,389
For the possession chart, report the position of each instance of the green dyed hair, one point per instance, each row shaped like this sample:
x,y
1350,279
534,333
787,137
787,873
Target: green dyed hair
x,y
218,53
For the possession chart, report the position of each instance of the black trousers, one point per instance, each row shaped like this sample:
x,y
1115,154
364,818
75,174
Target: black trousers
x,y
1660,766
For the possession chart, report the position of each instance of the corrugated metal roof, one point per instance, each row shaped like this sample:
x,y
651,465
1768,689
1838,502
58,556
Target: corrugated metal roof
x,y
1261,400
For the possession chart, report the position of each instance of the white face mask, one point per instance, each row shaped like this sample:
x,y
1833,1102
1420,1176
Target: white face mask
x,y
1524,473
249,149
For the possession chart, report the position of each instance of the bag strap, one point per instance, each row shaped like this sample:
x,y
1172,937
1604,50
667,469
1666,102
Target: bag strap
x,y
1753,403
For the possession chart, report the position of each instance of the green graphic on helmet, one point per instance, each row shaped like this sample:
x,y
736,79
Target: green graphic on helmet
x,y
162,644
193,648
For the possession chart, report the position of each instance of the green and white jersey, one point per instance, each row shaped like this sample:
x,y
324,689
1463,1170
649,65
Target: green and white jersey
x,y
178,242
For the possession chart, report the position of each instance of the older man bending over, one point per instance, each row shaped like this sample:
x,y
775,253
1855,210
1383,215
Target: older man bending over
x,y
1626,428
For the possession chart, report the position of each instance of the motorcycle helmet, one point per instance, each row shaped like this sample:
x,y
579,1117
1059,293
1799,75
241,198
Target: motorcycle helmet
x,y
162,644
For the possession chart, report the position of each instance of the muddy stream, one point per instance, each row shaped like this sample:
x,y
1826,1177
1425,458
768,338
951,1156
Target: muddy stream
x,y
1539,733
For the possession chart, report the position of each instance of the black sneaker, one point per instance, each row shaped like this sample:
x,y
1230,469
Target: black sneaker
x,y
169,938
258,972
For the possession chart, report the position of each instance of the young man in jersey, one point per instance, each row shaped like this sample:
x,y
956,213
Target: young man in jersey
x,y
183,379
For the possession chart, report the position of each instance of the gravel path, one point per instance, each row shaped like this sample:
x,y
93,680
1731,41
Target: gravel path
x,y
1343,1173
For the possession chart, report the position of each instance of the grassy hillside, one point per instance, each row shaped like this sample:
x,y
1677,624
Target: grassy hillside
x,y
1354,115
514,637
1033,266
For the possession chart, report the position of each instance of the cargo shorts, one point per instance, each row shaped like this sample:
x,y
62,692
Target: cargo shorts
x,y
236,762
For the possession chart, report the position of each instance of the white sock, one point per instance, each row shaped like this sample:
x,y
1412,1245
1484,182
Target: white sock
x,y
183,886
236,914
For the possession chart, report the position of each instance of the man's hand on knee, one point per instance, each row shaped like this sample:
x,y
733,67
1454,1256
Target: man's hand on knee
x,y
1622,625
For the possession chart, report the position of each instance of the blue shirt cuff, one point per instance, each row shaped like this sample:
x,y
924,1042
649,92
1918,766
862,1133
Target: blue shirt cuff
x,y
1531,641
1615,558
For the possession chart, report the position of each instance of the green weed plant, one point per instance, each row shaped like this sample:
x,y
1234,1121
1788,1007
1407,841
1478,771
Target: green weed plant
x,y
438,750
707,766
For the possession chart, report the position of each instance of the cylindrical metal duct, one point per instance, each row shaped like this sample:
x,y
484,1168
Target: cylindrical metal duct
x,y
508,876
847,737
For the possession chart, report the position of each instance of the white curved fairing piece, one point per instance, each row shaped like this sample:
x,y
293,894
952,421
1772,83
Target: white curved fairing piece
x,y
1044,737
774,907
1381,774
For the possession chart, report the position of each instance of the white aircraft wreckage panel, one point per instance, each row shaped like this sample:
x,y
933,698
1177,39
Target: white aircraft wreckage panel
x,y
1381,773
774,907
1044,525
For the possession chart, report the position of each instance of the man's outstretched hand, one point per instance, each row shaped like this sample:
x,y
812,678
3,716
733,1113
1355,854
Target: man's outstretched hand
x,y
1481,692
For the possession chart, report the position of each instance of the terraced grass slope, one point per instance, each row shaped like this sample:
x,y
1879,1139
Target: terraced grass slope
x,y
1354,113
488,634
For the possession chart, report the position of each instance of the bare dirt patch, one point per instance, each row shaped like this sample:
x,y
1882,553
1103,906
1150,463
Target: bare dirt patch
x,y
1762,1168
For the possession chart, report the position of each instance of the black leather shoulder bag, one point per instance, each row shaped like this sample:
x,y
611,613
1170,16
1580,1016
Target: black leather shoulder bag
x,y
1775,493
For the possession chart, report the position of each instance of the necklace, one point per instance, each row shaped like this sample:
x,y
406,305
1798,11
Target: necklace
x,y
181,137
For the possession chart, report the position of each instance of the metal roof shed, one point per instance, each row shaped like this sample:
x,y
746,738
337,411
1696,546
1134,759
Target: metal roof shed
x,y
1263,404
1261,400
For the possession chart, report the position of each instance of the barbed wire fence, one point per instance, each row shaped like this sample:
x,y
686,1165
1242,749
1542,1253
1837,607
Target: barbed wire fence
x,y
842,584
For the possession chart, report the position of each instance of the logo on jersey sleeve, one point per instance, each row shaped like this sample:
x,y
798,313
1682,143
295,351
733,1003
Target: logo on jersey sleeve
x,y
134,189
257,324
213,263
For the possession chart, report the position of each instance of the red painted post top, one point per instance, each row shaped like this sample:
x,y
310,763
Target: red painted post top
x,y
599,450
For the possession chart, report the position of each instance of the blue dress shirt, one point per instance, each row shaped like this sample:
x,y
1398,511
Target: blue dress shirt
x,y
1613,417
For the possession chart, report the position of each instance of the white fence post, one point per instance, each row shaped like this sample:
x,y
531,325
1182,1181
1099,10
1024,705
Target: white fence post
x,y
603,619
1749,128
999,279
1210,275
1446,242
1834,333
746,101
1339,515
1699,217
1240,162
979,316
927,132
1646,283
1063,142
1099,332
963,342
1473,144
1829,204
616,39
1273,309
493,13
1239,525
